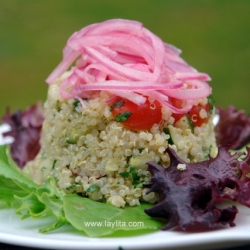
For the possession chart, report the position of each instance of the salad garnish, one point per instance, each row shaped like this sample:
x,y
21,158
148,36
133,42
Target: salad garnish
x,y
25,129
233,128
127,60
188,198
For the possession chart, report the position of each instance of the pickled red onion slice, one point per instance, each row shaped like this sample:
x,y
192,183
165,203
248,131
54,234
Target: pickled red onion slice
x,y
127,60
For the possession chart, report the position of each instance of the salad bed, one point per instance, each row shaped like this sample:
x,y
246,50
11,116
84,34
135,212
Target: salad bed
x,y
188,198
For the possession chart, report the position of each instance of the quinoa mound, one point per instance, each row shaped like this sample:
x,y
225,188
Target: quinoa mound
x,y
89,153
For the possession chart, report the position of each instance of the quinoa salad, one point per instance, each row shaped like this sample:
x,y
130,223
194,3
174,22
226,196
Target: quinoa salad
x,y
89,153
93,148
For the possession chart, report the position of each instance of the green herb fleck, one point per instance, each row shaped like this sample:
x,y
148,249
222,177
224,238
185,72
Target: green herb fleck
x,y
211,101
124,174
103,200
71,187
135,176
54,163
71,141
75,104
140,150
167,132
190,124
58,106
56,179
123,117
140,185
43,169
73,137
93,188
207,151
128,159
160,162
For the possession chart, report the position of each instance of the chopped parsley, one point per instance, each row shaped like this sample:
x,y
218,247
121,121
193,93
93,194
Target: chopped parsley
x,y
71,187
73,137
54,163
167,132
140,150
71,141
211,101
190,124
124,174
133,174
93,188
75,104
140,185
207,151
43,169
58,106
123,117
128,159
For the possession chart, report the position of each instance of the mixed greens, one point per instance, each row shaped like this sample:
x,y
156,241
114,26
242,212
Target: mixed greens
x,y
188,197
233,128
25,129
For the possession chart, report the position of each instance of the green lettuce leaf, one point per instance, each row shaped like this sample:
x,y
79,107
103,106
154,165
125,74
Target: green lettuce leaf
x,y
9,170
94,219
100,219
9,189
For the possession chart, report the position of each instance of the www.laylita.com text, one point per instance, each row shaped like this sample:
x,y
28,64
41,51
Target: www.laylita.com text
x,y
116,223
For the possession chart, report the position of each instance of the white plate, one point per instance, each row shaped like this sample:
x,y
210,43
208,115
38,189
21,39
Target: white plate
x,y
25,233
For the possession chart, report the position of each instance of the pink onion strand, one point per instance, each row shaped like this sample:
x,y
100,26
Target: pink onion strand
x,y
127,60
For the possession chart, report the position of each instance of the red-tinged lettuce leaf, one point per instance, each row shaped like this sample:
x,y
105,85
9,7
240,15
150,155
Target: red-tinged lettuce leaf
x,y
245,167
188,198
233,128
25,129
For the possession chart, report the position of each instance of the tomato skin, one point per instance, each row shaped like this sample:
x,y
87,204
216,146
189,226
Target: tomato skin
x,y
178,104
142,117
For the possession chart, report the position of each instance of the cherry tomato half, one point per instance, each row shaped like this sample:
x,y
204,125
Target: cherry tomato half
x,y
194,113
137,117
